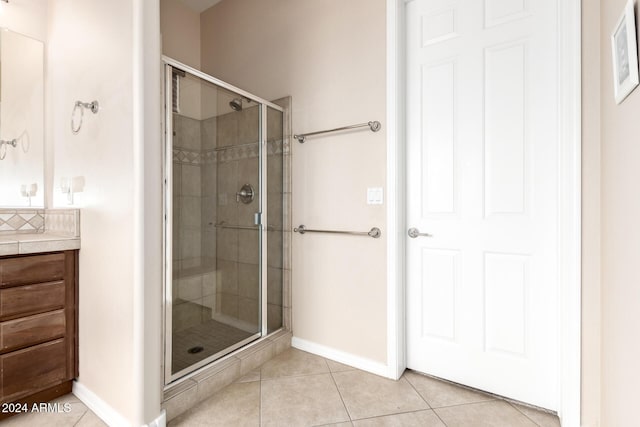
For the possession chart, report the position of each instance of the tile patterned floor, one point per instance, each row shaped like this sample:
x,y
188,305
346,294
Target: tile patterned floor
x,y
78,416
299,389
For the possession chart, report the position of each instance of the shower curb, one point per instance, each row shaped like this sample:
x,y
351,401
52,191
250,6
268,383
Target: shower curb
x,y
184,395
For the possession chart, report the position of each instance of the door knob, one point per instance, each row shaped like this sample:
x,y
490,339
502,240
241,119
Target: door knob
x,y
414,232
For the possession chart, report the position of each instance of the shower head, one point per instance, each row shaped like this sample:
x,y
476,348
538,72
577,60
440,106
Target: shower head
x,y
236,104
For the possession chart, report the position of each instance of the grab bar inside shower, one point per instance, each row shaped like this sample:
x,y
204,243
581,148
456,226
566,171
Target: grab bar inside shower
x,y
374,232
373,125
241,227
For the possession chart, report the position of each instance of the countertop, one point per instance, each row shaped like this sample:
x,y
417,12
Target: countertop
x,y
31,243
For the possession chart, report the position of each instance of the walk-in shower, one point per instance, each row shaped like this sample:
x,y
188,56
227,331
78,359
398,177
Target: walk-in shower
x,y
224,207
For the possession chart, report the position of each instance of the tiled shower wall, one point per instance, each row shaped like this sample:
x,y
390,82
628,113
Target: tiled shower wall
x,y
194,259
238,250
216,269
287,188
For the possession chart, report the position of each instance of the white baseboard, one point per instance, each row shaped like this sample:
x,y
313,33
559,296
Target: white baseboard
x,y
101,408
105,412
342,357
160,421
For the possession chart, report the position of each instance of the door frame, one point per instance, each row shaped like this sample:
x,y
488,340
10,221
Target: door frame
x,y
569,201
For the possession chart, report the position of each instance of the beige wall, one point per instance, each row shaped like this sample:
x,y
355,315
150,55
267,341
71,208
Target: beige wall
x,y
148,298
110,51
620,210
180,27
590,213
336,76
91,56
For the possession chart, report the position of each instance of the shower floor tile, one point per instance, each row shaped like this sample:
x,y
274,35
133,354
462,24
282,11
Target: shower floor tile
x,y
211,336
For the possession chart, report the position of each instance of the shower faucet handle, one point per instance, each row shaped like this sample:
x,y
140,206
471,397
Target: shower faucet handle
x,y
246,194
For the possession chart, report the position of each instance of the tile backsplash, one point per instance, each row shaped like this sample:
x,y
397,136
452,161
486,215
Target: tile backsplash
x,y
22,220
62,221
58,221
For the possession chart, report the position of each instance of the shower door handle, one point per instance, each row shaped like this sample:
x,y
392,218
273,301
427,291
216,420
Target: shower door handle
x,y
414,232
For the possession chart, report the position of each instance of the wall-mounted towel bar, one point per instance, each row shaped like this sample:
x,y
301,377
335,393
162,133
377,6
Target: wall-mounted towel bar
x,y
374,126
374,232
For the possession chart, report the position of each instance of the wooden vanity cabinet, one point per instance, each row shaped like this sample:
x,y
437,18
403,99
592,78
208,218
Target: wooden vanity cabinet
x,y
38,326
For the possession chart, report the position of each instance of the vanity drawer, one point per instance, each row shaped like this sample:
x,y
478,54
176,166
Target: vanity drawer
x,y
31,299
24,372
32,269
26,331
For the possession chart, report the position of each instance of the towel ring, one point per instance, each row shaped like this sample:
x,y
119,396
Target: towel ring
x,y
79,105
3,147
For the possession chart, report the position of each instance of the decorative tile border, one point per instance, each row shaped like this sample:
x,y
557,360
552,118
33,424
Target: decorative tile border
x,y
187,157
241,152
64,222
227,154
21,221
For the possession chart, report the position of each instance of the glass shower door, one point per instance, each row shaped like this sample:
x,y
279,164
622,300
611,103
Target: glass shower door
x,y
214,303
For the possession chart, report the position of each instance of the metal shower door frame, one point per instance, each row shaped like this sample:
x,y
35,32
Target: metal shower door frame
x,y
169,66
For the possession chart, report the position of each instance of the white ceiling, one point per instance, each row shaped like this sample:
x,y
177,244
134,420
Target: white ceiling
x,y
199,5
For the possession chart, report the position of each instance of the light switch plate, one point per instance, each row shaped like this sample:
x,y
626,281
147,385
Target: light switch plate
x,y
374,196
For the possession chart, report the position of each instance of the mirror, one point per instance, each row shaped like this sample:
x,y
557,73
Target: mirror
x,y
21,120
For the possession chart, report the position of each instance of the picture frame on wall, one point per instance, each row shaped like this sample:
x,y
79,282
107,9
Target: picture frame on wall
x,y
624,54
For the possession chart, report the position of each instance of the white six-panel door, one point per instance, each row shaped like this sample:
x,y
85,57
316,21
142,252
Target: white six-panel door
x,y
482,179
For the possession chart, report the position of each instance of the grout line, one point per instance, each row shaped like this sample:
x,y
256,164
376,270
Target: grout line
x,y
295,376
518,409
416,390
425,400
80,419
399,413
339,393
439,417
